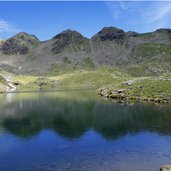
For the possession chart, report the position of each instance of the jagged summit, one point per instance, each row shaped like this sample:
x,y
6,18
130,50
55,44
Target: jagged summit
x,y
166,30
20,43
24,36
65,39
110,33
111,46
68,33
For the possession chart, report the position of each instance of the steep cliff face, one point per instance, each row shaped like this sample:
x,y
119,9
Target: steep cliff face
x,y
69,49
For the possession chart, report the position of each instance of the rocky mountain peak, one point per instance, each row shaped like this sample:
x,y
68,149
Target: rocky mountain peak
x,y
26,37
163,30
110,34
66,38
68,34
20,43
109,47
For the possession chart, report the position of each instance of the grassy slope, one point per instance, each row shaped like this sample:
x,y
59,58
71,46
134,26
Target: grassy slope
x,y
110,77
148,69
77,78
149,59
67,67
152,87
3,85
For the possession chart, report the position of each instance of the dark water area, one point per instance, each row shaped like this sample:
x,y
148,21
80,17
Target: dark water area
x,y
77,130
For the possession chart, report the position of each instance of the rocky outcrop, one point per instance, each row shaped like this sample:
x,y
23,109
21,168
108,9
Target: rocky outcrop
x,y
123,94
12,47
110,34
21,43
130,92
66,38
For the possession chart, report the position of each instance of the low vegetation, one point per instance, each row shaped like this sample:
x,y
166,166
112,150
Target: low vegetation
x,y
113,83
76,78
3,85
156,89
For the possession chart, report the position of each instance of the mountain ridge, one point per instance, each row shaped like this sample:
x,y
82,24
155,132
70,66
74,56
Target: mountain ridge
x,y
111,46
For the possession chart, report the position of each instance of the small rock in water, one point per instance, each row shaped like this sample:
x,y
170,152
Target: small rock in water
x,y
165,168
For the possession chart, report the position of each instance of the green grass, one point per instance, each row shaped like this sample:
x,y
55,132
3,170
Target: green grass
x,y
66,67
88,63
58,69
3,84
152,87
146,35
96,77
110,77
148,69
150,52
66,61
74,78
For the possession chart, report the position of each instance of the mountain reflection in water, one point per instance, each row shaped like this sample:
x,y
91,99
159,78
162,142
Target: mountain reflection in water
x,y
72,113
77,130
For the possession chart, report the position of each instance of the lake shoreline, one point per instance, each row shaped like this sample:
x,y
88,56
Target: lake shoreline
x,y
156,90
121,94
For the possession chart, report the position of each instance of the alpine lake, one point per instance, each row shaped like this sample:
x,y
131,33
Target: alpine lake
x,y
77,130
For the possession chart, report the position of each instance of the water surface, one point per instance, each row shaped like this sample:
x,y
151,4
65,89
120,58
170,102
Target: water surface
x,y
77,130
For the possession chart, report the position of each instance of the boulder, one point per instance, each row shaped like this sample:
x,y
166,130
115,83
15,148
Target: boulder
x,y
140,86
145,98
121,91
114,96
128,83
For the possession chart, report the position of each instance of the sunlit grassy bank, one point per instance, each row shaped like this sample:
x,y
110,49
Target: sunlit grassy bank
x,y
156,89
3,85
111,81
74,79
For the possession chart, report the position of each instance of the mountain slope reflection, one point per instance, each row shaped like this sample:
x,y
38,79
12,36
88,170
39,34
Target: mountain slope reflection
x,y
71,114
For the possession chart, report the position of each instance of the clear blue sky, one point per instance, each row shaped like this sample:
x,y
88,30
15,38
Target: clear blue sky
x,y
46,19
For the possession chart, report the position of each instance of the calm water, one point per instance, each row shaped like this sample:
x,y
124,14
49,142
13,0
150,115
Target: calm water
x,y
76,130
